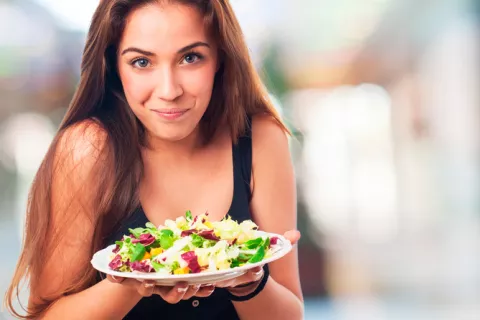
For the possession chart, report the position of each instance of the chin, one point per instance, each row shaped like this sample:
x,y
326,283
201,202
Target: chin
x,y
176,132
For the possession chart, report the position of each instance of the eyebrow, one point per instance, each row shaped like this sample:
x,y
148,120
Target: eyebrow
x,y
182,50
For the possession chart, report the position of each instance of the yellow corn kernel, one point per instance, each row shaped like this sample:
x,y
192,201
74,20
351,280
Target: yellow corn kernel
x,y
184,270
147,256
156,251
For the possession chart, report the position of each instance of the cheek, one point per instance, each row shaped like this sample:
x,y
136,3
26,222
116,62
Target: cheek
x,y
136,89
199,84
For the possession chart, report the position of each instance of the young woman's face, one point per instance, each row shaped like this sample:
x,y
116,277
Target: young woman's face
x,y
167,63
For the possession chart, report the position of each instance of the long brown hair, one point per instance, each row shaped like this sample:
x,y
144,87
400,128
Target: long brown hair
x,y
238,93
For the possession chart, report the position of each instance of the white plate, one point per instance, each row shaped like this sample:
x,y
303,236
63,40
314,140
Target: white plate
x,y
101,259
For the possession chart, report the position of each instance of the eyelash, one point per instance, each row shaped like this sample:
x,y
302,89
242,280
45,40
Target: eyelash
x,y
197,55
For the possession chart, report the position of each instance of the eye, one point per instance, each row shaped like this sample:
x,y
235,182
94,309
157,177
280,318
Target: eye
x,y
191,58
140,63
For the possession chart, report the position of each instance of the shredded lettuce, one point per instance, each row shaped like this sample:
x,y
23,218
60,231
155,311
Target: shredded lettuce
x,y
188,215
190,245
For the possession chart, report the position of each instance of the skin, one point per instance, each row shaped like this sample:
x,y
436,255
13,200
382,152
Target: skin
x,y
161,77
167,63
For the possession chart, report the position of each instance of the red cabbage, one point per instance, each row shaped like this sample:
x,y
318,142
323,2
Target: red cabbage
x,y
191,258
273,241
116,263
209,235
142,266
188,232
146,239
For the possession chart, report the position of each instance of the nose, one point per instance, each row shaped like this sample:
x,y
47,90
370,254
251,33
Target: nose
x,y
168,87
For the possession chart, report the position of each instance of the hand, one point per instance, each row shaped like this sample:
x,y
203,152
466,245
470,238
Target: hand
x,y
256,274
293,236
181,291
251,276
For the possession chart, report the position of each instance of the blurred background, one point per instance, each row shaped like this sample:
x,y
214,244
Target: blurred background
x,y
383,99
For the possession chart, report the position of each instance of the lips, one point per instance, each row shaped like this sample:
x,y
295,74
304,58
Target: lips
x,y
170,114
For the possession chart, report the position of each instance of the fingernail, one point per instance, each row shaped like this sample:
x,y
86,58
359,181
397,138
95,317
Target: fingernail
x,y
148,285
196,286
182,289
207,285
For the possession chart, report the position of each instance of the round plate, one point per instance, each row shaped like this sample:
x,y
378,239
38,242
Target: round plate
x,y
101,259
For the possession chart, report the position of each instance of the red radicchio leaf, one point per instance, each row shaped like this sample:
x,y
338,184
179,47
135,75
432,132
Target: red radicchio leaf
x,y
273,241
141,266
116,249
208,234
146,239
188,232
116,263
191,258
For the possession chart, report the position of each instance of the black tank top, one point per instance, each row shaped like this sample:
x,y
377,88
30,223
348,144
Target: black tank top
x,y
218,305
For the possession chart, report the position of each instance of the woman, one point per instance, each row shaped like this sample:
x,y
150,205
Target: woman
x,y
169,116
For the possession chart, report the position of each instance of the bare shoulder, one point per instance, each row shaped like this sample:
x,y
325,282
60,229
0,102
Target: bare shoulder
x,y
268,138
271,160
82,143
77,186
80,160
273,203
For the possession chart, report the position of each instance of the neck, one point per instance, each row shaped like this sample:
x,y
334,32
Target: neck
x,y
179,149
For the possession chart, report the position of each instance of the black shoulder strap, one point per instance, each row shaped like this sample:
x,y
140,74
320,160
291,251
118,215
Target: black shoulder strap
x,y
243,157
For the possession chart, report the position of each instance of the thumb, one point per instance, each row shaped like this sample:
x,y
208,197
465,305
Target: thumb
x,y
115,279
293,236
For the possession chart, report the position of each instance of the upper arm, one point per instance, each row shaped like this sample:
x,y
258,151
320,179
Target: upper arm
x,y
274,193
72,218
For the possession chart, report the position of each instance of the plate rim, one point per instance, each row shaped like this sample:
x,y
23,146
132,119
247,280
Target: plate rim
x,y
285,249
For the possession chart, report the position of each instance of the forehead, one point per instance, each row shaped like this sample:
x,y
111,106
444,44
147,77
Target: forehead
x,y
164,27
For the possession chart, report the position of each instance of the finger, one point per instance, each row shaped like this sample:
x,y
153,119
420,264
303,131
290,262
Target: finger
x,y
205,291
254,274
251,275
192,290
255,270
173,295
115,279
225,283
293,236
146,288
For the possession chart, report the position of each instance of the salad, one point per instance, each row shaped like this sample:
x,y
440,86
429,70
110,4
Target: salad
x,y
192,245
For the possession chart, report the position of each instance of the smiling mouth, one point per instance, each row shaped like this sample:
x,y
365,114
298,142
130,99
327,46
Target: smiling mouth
x,y
170,114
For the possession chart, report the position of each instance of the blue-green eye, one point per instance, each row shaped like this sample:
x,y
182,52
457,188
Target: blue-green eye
x,y
140,63
191,58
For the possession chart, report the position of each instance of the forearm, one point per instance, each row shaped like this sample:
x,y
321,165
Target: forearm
x,y
104,300
274,302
